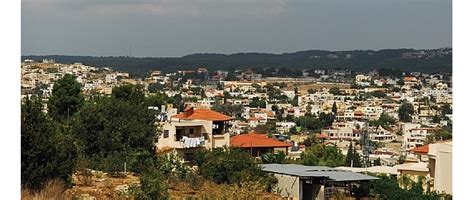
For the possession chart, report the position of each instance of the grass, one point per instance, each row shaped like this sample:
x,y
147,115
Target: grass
x,y
54,189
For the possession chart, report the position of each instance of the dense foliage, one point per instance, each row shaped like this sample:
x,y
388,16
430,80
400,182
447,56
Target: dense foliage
x,y
387,187
46,153
231,166
66,98
322,155
405,112
118,128
352,157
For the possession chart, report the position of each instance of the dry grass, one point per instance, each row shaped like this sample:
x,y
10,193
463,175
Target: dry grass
x,y
53,189
211,190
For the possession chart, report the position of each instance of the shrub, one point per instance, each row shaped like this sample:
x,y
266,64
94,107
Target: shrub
x,y
172,165
53,189
153,185
232,166
114,164
84,174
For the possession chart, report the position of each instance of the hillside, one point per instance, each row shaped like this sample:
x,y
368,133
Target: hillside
x,y
429,61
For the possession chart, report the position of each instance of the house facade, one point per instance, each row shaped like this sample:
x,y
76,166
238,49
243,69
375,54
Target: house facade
x,y
194,129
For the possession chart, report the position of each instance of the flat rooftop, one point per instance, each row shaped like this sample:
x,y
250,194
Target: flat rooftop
x,y
333,174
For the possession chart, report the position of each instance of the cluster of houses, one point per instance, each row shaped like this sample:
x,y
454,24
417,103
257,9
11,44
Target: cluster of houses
x,y
279,101
37,78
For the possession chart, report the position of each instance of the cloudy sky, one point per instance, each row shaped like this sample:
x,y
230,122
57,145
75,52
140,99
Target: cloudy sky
x,y
162,28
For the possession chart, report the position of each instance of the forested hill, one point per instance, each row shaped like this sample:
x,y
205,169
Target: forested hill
x,y
429,61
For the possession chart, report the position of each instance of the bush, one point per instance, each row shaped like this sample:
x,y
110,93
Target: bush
x,y
194,180
172,165
274,158
153,185
84,174
232,166
114,164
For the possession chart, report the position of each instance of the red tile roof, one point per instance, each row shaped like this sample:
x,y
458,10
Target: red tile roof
x,y
202,114
421,150
255,140
322,136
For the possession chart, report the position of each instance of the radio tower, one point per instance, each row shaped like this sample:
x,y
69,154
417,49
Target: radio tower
x,y
130,50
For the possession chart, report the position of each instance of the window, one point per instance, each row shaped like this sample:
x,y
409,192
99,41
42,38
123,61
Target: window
x,y
179,134
188,157
166,134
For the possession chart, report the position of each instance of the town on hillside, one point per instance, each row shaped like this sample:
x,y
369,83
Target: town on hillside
x,y
324,134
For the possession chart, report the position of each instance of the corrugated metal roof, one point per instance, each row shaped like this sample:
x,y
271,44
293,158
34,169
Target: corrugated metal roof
x,y
316,171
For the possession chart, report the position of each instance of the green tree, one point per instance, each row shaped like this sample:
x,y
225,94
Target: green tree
x,y
311,91
401,82
322,155
46,153
335,91
130,93
111,125
326,119
153,185
155,87
229,109
231,166
377,162
352,157
334,108
66,98
405,111
384,121
309,122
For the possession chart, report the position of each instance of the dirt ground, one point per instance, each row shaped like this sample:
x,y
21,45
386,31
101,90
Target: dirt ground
x,y
106,188
303,88
100,188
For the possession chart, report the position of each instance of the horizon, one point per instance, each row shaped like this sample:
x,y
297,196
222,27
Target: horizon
x,y
229,54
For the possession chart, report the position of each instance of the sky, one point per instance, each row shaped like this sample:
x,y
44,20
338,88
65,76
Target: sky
x,y
173,28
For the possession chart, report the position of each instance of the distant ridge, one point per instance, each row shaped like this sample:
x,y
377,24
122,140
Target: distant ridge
x,y
427,60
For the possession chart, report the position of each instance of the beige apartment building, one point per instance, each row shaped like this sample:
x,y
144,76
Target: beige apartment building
x,y
194,129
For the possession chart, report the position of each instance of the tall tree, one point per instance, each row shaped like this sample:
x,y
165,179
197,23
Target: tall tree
x,y
349,156
129,92
352,157
405,111
66,98
109,125
45,153
334,108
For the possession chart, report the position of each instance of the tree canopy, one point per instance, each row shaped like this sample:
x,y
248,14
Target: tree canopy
x,y
46,153
322,155
405,112
117,127
66,98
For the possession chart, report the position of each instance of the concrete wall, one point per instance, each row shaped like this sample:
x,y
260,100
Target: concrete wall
x,y
199,126
443,170
288,186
